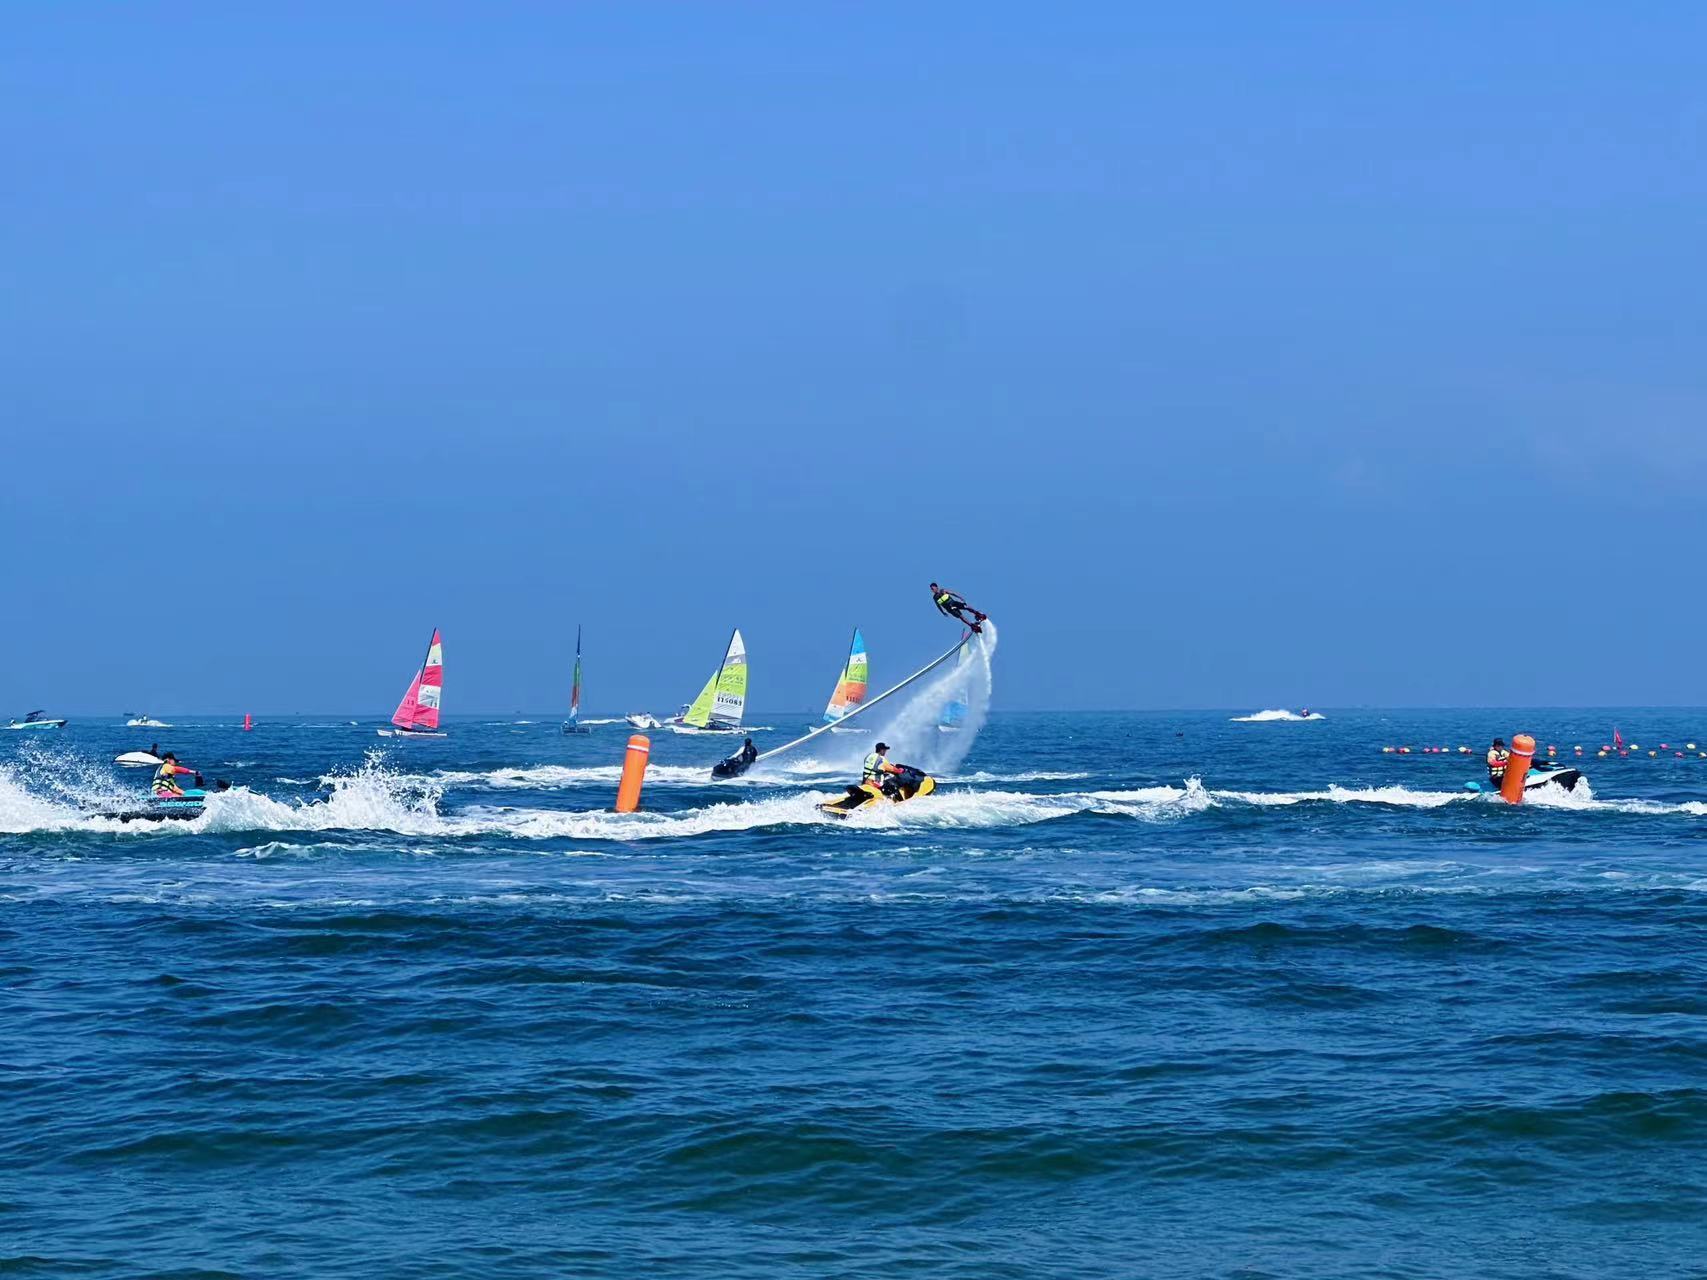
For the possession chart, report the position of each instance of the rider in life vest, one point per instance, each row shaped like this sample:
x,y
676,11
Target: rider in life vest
x,y
951,605
1497,758
876,767
165,777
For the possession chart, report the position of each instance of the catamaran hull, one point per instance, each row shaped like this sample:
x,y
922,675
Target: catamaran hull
x,y
413,733
575,728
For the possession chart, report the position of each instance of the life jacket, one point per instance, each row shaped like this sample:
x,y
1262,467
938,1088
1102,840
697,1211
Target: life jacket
x,y
164,782
946,600
1497,760
873,768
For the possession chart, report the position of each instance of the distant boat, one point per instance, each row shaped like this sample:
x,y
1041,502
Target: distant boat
x,y
723,701
417,716
572,725
851,684
640,720
145,721
37,720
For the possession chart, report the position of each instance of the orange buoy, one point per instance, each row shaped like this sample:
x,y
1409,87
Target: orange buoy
x,y
633,773
248,722
1517,767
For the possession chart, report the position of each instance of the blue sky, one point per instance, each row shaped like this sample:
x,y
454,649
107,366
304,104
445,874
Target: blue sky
x,y
1224,356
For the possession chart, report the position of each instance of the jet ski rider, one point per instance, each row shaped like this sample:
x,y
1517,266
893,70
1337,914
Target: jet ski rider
x,y
876,768
1498,757
165,778
952,605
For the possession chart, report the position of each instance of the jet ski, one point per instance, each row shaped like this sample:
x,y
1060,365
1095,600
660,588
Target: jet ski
x,y
734,766
192,804
139,759
1540,775
907,784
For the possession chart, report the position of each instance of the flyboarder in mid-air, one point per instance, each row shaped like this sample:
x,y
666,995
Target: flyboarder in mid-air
x,y
953,605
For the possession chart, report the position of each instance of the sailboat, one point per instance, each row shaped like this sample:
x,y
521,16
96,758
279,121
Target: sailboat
x,y
851,684
723,701
572,725
417,716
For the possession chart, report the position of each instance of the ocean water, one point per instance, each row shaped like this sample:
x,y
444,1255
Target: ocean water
x,y
1132,995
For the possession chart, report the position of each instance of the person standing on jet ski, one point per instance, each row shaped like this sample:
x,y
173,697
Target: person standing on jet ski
x,y
166,778
952,605
877,769
1498,757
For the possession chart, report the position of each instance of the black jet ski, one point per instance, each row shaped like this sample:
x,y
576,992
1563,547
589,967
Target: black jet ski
x,y
192,804
906,785
1540,775
734,766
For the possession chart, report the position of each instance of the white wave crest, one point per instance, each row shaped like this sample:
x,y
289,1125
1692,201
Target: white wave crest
x,y
1278,714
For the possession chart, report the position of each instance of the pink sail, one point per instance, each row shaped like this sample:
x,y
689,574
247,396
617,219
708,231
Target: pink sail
x,y
420,706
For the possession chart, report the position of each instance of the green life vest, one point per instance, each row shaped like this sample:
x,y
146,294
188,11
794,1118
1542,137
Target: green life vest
x,y
873,767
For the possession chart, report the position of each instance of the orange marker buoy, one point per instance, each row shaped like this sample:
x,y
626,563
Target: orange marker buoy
x,y
633,773
248,722
1517,767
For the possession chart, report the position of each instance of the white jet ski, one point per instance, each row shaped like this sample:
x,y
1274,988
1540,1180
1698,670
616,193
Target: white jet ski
x,y
1540,775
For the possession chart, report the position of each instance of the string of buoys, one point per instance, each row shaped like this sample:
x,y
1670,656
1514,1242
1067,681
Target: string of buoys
x,y
1608,751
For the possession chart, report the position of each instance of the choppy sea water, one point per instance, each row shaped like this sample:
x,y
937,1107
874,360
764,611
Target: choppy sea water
x,y
1132,995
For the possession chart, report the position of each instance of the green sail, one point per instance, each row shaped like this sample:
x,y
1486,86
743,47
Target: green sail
x,y
721,703
699,714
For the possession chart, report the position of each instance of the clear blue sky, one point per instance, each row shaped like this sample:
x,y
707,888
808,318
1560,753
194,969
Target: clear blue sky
x,y
1216,353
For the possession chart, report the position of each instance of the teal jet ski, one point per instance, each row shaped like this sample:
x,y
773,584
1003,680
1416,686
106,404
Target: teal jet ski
x,y
192,804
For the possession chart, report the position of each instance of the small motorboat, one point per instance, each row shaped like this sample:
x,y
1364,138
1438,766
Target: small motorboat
x,y
37,720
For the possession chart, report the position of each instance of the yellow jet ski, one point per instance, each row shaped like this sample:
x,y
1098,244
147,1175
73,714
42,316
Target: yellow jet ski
x,y
907,784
